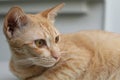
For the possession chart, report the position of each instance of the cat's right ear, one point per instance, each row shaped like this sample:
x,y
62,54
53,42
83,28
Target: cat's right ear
x,y
15,19
51,13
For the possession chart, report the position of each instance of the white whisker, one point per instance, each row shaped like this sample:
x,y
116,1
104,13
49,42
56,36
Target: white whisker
x,y
27,61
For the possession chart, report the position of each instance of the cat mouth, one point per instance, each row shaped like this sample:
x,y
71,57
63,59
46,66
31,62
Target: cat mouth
x,y
46,65
45,61
39,61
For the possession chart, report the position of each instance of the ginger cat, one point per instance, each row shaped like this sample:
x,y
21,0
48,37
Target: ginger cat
x,y
40,52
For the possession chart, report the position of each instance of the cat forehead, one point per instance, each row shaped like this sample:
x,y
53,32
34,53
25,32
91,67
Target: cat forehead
x,y
45,26
38,30
37,33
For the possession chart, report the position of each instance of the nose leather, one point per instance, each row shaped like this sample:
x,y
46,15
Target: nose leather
x,y
55,55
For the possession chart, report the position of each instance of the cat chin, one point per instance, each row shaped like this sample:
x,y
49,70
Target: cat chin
x,y
48,65
43,63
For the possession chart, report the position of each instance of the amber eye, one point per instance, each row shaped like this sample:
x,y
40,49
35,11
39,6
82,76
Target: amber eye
x,y
40,42
56,39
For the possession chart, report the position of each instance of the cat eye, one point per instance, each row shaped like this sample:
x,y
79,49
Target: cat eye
x,y
56,39
40,42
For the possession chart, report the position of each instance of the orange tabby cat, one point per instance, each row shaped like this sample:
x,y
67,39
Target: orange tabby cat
x,y
40,52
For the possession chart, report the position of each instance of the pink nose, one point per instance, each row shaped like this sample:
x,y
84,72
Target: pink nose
x,y
55,55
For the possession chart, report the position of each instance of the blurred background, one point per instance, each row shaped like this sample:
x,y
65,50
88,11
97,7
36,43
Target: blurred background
x,y
75,16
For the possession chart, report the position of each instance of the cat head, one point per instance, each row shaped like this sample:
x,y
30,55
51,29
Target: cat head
x,y
33,37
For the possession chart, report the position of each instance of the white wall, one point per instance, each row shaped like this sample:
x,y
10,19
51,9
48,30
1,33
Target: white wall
x,y
4,49
93,19
112,19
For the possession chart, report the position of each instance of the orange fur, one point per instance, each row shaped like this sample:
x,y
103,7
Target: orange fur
x,y
85,55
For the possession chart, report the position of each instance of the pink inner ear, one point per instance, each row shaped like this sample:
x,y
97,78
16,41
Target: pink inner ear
x,y
12,24
15,22
16,18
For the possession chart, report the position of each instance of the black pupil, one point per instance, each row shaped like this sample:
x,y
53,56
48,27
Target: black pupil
x,y
42,42
56,39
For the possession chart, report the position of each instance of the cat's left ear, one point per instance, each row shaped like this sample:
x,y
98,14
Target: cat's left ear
x,y
52,12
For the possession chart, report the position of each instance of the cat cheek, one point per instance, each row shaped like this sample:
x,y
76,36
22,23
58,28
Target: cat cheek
x,y
44,53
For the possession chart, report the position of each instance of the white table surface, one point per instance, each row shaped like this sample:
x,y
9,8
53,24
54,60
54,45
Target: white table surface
x,y
5,73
